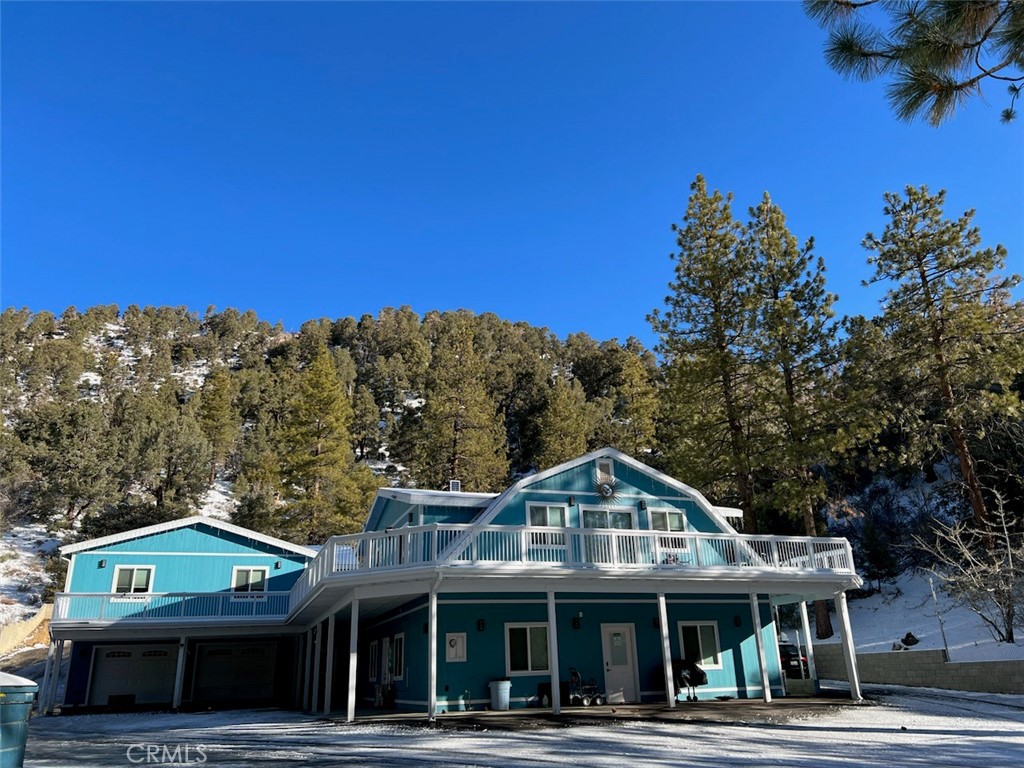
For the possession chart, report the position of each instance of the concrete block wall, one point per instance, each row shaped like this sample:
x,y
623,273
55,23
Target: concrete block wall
x,y
926,669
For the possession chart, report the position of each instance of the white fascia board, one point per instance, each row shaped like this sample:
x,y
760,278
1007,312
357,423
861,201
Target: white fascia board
x,y
730,512
171,525
438,498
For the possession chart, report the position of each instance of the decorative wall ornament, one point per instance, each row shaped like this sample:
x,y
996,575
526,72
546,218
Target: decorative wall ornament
x,y
607,488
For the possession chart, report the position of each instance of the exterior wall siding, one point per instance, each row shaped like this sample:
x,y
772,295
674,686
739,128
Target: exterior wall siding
x,y
189,560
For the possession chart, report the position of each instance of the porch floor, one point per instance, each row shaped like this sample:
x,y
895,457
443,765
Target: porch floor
x,y
733,711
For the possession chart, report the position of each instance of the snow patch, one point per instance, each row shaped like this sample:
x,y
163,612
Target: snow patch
x,y
22,576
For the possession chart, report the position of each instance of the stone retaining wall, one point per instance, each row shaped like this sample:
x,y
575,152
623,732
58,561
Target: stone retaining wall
x,y
926,669
27,632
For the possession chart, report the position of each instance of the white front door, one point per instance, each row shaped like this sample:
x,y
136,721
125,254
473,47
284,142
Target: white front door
x,y
620,678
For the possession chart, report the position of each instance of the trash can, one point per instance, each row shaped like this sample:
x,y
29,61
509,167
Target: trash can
x,y
500,690
16,696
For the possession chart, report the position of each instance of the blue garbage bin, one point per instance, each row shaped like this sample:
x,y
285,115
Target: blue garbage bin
x,y
16,696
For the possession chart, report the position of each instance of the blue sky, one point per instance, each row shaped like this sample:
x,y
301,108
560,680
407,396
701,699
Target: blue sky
x,y
329,159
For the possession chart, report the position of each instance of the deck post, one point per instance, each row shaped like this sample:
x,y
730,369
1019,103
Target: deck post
x,y
46,676
432,660
666,651
51,694
307,653
65,692
329,665
556,690
179,672
316,669
762,656
849,652
353,644
805,624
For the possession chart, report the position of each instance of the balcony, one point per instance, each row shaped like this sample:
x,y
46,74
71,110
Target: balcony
x,y
526,548
170,608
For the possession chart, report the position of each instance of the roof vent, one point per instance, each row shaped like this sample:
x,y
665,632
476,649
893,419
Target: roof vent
x,y
455,486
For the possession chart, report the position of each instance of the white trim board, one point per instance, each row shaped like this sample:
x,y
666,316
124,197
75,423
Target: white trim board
x,y
172,525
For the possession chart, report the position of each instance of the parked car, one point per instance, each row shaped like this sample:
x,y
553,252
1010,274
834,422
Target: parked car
x,y
794,663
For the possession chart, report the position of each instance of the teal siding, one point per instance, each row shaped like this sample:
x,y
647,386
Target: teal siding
x,y
461,684
192,559
578,482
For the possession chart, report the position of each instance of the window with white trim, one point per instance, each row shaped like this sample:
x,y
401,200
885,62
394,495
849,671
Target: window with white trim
x,y
605,470
549,516
699,643
398,651
133,579
673,548
374,660
526,648
249,579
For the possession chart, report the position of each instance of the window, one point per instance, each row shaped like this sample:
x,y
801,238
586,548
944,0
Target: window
x,y
547,516
526,648
153,654
673,548
245,579
373,661
699,643
398,644
132,579
605,470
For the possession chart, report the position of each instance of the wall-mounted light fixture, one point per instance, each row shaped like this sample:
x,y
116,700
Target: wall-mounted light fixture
x,y
642,504
409,518
572,501
102,564
277,565
480,625
737,621
575,622
655,623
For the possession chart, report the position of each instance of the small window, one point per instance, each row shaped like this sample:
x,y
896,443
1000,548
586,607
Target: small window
x,y
153,654
374,659
699,643
130,580
219,652
526,648
605,470
668,520
118,654
244,579
398,651
547,516
254,650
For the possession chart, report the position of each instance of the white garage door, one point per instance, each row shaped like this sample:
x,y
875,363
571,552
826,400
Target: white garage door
x,y
235,671
145,672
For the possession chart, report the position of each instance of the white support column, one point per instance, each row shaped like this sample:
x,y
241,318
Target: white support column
x,y
762,656
179,672
307,653
316,669
47,673
329,665
666,651
556,689
805,624
353,644
849,652
51,696
432,660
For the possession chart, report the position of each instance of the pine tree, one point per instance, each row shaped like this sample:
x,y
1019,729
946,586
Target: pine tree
x,y
954,330
463,434
706,428
318,453
636,398
218,418
563,424
366,421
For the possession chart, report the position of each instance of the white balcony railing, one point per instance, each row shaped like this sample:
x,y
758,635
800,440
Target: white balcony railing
x,y
573,548
176,607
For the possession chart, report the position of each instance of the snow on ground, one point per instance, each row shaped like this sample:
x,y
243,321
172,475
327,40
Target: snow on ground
x,y
218,501
22,577
898,727
905,606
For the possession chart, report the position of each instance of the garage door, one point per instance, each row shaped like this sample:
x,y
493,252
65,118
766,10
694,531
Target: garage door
x,y
235,671
132,674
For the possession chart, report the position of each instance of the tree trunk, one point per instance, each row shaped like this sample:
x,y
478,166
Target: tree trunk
x,y
822,621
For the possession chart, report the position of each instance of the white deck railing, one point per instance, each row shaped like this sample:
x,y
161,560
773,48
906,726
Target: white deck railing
x,y
572,548
176,607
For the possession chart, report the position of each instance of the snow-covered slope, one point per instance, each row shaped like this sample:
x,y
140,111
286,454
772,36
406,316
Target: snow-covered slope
x,y
22,576
907,606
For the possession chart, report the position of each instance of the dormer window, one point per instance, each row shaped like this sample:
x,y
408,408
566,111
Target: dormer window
x,y
605,471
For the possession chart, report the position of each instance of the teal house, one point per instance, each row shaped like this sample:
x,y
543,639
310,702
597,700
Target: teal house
x,y
446,601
